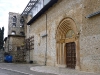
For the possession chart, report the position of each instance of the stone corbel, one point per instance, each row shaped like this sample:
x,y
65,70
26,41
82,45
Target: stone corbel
x,y
77,35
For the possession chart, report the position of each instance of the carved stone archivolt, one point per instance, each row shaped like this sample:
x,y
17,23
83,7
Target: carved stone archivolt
x,y
66,33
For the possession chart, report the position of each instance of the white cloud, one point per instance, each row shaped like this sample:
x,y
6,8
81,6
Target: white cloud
x,y
7,6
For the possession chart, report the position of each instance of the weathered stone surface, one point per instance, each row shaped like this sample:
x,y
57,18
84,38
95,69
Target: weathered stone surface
x,y
87,34
87,29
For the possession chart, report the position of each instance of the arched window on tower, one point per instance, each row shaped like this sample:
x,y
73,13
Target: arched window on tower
x,y
14,19
22,21
22,33
13,24
13,33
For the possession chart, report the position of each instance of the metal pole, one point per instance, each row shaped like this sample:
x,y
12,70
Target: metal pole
x,y
46,43
29,43
8,43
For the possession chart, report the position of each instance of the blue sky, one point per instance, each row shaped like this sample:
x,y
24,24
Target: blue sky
x,y
7,6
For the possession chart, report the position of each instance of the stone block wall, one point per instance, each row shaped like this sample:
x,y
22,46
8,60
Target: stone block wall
x,y
55,14
14,42
17,28
89,38
87,30
17,39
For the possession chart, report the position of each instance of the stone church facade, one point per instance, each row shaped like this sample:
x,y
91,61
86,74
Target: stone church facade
x,y
67,35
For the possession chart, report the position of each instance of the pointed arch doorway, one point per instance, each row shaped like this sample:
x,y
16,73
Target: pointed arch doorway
x,y
67,48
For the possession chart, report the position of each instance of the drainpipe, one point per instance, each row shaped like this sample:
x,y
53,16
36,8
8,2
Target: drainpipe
x,y
8,43
46,43
29,44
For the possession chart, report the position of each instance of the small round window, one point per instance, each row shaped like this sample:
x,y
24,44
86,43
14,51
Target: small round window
x,y
70,34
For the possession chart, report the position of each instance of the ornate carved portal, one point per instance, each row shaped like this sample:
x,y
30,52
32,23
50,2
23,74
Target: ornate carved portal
x,y
67,44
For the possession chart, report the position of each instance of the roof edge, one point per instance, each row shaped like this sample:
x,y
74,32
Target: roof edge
x,y
44,9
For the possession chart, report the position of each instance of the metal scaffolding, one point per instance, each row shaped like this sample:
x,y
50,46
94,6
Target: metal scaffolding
x,y
29,6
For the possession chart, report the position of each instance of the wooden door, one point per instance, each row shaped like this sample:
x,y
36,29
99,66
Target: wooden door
x,y
71,55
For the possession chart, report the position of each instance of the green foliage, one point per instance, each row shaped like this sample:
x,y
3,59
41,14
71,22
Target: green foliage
x,y
1,37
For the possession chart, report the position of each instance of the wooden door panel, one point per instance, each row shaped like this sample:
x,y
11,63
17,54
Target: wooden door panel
x,y
71,55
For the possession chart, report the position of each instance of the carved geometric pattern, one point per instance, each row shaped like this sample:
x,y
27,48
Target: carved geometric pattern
x,y
66,32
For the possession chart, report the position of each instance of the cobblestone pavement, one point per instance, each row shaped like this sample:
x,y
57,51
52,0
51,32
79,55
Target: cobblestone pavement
x,y
33,69
7,72
60,71
21,68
